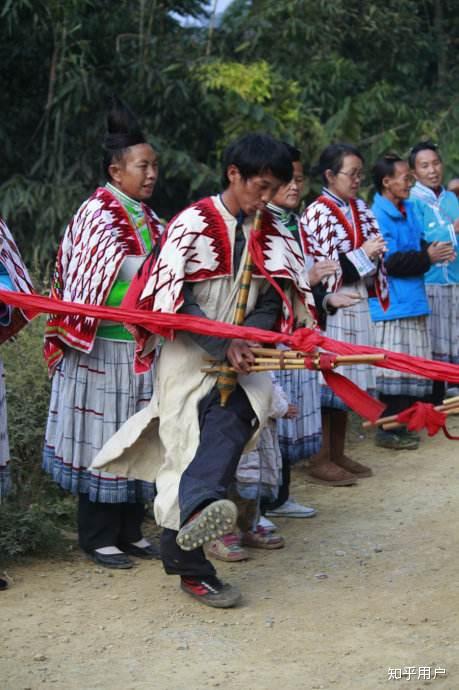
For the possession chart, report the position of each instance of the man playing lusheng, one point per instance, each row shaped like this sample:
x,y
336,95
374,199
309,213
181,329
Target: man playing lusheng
x,y
198,271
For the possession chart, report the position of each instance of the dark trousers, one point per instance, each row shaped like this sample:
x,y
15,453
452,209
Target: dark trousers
x,y
224,431
396,403
108,524
438,392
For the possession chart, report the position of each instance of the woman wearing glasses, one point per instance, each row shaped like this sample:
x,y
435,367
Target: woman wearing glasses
x,y
340,227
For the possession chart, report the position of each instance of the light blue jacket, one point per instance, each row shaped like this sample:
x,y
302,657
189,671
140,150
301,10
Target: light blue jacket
x,y
436,214
407,295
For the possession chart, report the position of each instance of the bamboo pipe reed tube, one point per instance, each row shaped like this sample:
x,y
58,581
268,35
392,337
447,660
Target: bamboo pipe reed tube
x,y
227,379
392,420
396,425
451,401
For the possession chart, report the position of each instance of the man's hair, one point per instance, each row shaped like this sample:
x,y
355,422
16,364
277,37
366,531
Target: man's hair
x,y
421,146
384,167
255,154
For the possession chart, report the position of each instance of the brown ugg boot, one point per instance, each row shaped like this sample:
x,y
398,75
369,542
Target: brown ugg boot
x,y
338,439
322,470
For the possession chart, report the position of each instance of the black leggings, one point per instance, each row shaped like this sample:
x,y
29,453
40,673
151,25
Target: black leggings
x,y
108,524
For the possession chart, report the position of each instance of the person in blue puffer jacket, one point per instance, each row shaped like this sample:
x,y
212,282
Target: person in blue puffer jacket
x,y
403,327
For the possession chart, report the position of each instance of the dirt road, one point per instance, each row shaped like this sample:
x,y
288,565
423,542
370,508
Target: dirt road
x,y
366,590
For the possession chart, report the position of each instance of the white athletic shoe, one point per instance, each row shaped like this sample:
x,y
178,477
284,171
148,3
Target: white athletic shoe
x,y
292,509
267,524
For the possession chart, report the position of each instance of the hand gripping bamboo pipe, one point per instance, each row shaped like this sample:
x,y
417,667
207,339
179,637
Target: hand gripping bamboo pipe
x,y
227,378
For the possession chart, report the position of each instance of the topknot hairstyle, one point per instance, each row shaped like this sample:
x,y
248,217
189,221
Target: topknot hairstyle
x,y
122,131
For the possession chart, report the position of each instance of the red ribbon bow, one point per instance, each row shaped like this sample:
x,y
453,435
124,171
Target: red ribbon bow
x,y
425,416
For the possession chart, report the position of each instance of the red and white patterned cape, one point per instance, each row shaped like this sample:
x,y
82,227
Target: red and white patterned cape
x,y
326,232
95,243
196,247
19,276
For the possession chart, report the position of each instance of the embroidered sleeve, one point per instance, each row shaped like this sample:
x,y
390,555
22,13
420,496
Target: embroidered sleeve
x,y
363,265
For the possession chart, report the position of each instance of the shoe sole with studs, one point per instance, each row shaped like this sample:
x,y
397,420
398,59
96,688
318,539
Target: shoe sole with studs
x,y
215,520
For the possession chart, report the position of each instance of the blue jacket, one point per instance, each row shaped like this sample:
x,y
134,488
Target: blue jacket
x,y
406,293
436,216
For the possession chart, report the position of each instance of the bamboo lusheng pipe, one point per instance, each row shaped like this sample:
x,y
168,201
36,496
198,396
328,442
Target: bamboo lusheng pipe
x,y
391,422
227,378
315,357
293,363
298,354
268,354
449,401
446,411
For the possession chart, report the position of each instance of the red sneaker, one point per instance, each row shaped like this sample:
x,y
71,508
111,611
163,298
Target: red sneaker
x,y
227,548
211,591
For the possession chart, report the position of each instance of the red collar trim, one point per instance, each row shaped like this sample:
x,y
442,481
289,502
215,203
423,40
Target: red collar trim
x,y
354,232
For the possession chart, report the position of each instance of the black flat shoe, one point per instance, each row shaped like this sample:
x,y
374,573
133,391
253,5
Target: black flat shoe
x,y
118,561
3,584
150,552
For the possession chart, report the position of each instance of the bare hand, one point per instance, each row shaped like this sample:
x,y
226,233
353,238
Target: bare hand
x,y
321,270
456,226
343,299
292,411
240,356
441,252
374,248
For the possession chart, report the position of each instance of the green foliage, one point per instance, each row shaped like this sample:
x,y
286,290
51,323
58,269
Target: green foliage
x,y
31,518
250,97
28,390
309,71
252,83
33,529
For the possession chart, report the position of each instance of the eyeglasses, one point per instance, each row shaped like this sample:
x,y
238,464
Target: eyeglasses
x,y
354,175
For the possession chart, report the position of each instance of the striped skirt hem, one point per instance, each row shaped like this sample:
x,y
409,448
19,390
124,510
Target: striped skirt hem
x,y
444,322
409,335
92,396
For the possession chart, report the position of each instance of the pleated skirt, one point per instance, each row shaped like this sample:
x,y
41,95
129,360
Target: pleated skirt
x,y
409,335
92,396
444,322
300,438
352,325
